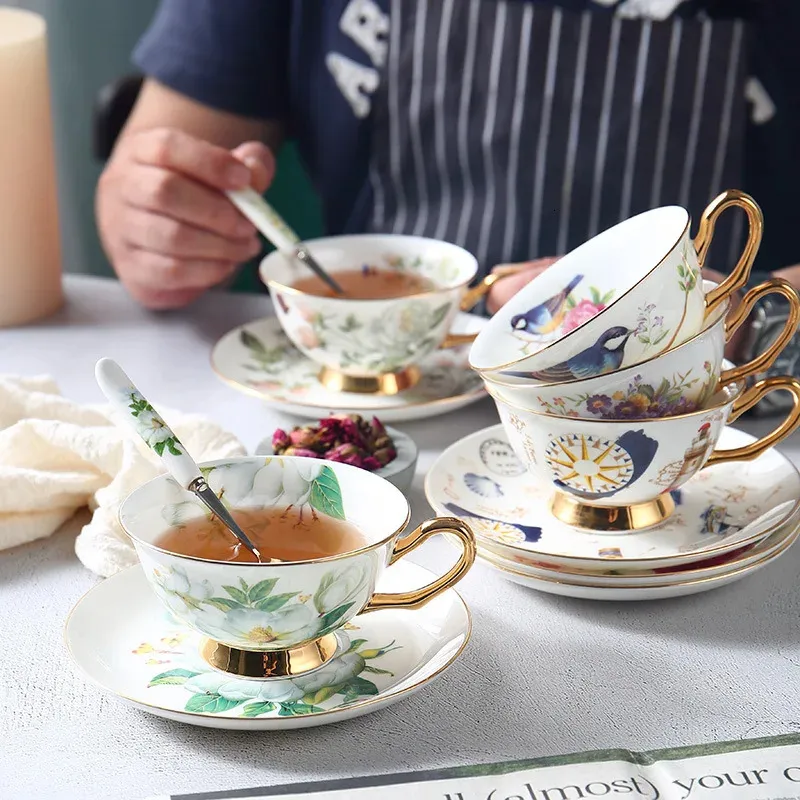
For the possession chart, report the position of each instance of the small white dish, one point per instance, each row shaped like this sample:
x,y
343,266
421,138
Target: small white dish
x,y
150,661
399,472
480,480
259,359
561,585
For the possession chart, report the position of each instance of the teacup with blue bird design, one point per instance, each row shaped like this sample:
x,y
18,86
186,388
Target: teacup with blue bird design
x,y
680,380
621,298
619,474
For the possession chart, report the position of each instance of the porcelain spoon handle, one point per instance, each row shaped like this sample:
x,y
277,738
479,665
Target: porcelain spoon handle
x,y
159,437
274,227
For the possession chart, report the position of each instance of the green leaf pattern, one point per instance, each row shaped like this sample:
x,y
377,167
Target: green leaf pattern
x,y
151,427
337,684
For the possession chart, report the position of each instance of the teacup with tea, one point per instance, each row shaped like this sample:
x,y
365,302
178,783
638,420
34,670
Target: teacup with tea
x,y
401,296
329,530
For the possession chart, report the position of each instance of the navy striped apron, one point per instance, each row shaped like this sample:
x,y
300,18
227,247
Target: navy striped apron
x,y
520,129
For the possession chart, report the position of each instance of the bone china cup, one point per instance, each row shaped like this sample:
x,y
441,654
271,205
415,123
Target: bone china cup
x,y
278,606
618,475
621,298
367,339
677,381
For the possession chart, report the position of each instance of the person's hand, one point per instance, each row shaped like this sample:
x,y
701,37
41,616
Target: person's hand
x,y
507,287
164,222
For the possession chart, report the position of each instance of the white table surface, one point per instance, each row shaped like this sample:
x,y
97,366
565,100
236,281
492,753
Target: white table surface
x,y
542,676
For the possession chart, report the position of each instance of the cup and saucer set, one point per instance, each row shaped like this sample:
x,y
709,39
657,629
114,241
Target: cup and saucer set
x,y
401,358
613,475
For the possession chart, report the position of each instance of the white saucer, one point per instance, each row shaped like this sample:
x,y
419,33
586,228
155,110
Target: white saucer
x,y
559,585
121,638
725,507
630,579
259,359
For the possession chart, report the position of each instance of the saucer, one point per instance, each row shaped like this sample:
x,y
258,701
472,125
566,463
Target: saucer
x,y
678,588
149,660
660,576
259,359
722,508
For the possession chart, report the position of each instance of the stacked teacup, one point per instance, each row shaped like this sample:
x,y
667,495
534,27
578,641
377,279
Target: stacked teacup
x,y
608,369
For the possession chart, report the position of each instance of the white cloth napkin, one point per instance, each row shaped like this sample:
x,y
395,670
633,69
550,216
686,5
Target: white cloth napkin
x,y
57,456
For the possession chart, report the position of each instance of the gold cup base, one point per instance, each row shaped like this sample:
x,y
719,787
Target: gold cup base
x,y
387,384
610,519
272,664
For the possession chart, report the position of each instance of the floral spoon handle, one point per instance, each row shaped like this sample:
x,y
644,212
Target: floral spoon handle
x,y
159,437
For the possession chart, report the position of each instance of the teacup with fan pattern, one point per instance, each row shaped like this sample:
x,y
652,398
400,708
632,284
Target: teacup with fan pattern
x,y
625,296
277,606
618,474
680,380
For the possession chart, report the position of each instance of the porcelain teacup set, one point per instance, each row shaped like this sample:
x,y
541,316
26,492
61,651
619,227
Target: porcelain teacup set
x,y
613,474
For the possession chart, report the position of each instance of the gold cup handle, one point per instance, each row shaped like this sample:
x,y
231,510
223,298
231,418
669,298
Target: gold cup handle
x,y
766,359
475,294
745,402
705,232
416,598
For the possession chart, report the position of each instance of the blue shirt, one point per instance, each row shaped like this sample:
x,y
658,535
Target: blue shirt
x,y
314,65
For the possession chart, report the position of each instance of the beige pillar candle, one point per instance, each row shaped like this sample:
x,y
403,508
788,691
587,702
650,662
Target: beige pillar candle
x,y
30,258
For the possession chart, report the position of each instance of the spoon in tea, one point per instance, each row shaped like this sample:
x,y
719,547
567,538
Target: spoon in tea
x,y
159,437
274,227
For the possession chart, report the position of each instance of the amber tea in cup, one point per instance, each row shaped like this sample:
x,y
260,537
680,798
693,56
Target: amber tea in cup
x,y
285,534
368,283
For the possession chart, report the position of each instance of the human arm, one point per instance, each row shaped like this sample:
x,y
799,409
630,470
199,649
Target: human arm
x,y
215,98
164,222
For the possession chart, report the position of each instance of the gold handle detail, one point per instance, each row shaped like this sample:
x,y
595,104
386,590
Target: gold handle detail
x,y
766,359
705,232
417,598
745,402
474,295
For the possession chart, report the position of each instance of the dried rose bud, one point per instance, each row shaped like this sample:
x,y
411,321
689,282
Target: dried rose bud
x,y
303,437
371,463
377,428
280,441
385,455
304,452
347,454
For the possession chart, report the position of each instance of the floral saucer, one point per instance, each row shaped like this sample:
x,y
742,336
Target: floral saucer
x,y
259,359
659,576
589,590
148,659
722,508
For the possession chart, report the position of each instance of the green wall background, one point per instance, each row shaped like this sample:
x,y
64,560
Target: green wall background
x,y
90,42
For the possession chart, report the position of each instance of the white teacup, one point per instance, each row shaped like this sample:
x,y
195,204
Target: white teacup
x,y
630,293
618,475
287,613
374,345
675,382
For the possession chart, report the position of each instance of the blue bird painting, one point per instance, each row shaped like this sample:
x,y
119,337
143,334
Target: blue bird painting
x,y
546,317
483,486
636,450
532,533
605,355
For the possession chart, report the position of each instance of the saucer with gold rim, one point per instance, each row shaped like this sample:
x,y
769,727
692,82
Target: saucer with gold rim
x,y
566,586
151,661
480,480
733,561
258,359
